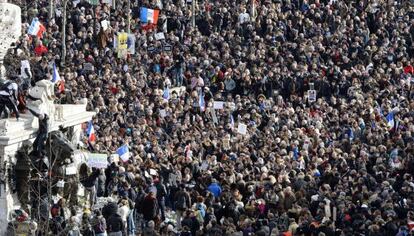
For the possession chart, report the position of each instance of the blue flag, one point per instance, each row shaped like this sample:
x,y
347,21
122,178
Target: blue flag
x,y
123,152
350,133
201,101
390,120
295,153
166,94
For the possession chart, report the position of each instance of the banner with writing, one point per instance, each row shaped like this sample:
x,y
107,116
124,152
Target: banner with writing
x,y
98,160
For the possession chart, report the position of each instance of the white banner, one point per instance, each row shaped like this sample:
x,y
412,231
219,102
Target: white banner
x,y
98,160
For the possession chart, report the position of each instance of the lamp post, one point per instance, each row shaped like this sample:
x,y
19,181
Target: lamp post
x,y
63,61
51,8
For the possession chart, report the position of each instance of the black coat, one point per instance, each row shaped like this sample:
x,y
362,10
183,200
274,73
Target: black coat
x,y
115,223
150,208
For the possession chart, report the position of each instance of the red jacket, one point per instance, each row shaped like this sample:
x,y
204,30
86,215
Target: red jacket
x,y
40,50
149,26
409,69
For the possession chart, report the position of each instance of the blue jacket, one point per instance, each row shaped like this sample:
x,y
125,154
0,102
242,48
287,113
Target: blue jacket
x,y
215,189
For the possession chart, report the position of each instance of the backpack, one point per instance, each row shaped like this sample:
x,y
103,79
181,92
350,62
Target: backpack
x,y
139,202
200,213
100,227
181,203
5,86
161,191
202,210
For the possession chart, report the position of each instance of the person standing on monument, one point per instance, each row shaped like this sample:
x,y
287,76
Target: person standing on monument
x,y
8,97
40,141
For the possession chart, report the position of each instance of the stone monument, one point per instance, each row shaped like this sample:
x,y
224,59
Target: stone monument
x,y
13,133
10,30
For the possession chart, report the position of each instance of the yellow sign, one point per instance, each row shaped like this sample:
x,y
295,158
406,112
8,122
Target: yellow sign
x,y
122,41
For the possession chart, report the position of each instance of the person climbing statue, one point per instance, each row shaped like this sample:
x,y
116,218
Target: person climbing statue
x,y
40,141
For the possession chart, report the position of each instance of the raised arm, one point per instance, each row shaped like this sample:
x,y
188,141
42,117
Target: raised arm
x,y
33,112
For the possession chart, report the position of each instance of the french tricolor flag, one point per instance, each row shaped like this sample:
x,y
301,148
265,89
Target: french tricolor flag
x,y
36,28
55,75
390,120
91,132
149,15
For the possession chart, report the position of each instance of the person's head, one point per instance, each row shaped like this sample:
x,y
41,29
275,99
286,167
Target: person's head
x,y
98,212
151,224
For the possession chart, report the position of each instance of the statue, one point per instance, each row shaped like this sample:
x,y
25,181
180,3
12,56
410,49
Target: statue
x,y
10,30
22,172
41,98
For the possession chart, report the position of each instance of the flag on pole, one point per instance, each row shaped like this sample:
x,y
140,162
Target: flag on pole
x,y
350,134
149,15
295,153
201,101
61,86
123,153
166,94
55,76
390,120
36,28
91,132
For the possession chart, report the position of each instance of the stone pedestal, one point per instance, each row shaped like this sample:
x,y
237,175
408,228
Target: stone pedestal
x,y
12,135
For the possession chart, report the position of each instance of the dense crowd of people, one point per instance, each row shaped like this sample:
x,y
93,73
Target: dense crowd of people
x,y
340,165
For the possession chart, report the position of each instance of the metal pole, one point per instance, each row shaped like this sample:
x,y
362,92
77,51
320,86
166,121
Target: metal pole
x,y
51,7
94,21
193,13
129,16
63,61
253,10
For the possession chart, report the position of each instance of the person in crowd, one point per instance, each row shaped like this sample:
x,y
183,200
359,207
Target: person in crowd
x,y
9,98
150,207
98,224
182,202
115,224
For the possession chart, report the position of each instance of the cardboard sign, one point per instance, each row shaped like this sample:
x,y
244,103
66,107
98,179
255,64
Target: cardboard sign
x,y
88,67
312,95
151,49
152,172
167,48
93,2
114,158
214,116
159,36
60,184
71,170
98,160
163,113
178,90
122,41
105,24
218,105
242,129
131,44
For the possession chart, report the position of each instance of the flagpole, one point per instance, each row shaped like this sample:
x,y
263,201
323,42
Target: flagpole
x,y
51,6
193,12
129,16
253,10
63,59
